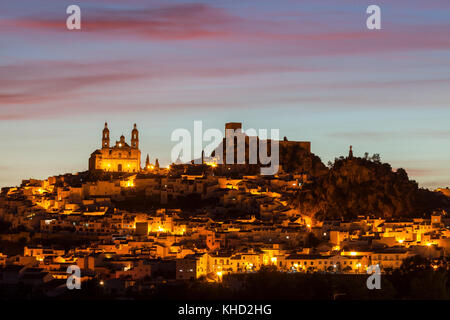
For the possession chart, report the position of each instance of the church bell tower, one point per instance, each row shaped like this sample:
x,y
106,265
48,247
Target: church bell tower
x,y
135,138
105,136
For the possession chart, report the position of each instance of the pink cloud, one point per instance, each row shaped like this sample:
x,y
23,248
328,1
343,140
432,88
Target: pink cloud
x,y
24,86
176,22
205,22
421,172
34,82
48,81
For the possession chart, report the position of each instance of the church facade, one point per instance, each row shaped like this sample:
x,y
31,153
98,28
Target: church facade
x,y
121,157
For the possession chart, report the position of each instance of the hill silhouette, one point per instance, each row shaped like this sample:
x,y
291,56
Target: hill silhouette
x,y
361,186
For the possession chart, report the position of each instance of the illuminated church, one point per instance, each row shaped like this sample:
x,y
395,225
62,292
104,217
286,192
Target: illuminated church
x,y
121,157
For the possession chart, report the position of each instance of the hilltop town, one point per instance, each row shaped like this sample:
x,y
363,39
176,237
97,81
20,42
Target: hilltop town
x,y
131,227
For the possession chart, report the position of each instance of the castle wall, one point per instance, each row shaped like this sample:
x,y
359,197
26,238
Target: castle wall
x,y
303,144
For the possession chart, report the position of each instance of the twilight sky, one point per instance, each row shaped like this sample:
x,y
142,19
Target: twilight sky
x,y
310,68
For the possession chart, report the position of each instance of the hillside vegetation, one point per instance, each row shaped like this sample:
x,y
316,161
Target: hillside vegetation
x,y
359,186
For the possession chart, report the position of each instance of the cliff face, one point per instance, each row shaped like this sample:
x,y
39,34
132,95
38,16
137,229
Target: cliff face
x,y
295,159
361,187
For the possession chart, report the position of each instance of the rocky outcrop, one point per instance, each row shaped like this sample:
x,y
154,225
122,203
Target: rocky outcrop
x,y
357,186
295,159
